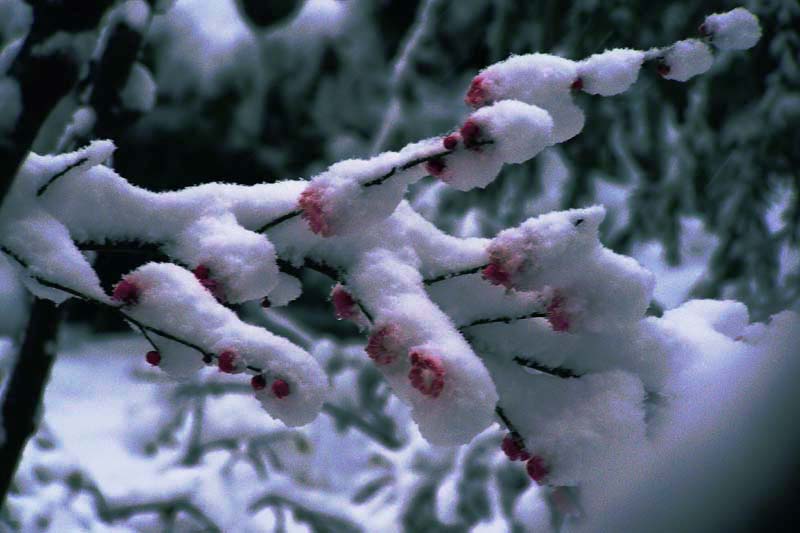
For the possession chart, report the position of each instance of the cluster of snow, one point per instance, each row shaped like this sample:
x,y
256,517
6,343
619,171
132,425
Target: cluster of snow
x,y
595,288
611,72
686,59
737,29
542,80
514,132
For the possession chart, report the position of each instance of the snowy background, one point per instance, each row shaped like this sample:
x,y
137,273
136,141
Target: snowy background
x,y
699,183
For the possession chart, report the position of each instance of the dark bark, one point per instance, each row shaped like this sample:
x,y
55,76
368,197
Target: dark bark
x,y
23,399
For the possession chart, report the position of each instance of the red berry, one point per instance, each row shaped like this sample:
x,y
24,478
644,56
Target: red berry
x,y
201,272
470,133
229,362
537,469
436,166
153,357
494,274
258,382
514,449
476,94
663,69
280,389
126,292
451,141
577,85
427,373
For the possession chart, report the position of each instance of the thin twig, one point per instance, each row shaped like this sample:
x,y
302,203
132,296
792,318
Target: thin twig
x,y
448,275
504,320
52,180
557,371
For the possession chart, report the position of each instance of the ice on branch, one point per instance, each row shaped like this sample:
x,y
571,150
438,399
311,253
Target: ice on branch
x,y
542,80
611,72
686,59
172,300
737,29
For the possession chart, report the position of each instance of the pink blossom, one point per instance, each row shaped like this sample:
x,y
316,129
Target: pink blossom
x,y
471,134
537,469
436,167
557,315
203,275
477,93
312,204
514,449
427,373
494,274
344,304
280,389
126,292
230,362
384,345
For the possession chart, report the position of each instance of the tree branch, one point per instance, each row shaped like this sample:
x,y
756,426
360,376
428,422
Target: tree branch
x,y
23,398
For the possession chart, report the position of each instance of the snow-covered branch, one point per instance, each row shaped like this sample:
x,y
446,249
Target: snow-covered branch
x,y
451,343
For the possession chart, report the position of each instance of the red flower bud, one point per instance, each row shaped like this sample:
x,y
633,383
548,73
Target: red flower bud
x,y
153,357
280,389
126,292
537,469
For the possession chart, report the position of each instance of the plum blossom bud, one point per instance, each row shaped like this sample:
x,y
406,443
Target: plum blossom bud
x,y
477,94
344,305
504,263
280,389
231,362
258,382
451,141
311,202
471,134
126,291
427,373
436,167
537,469
203,275
385,345
153,357
514,449
494,274
557,315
